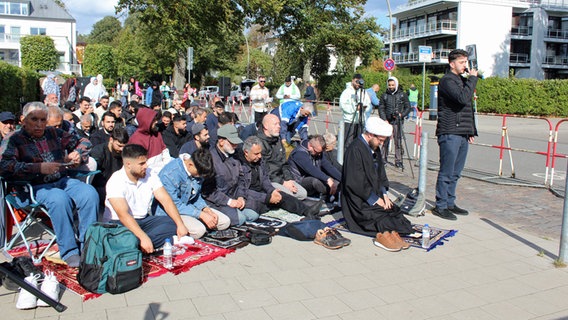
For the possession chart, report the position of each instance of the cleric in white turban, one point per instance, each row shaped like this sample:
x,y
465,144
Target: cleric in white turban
x,y
364,198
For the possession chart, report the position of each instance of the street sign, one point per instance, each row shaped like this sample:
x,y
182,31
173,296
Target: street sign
x,y
424,54
190,58
389,64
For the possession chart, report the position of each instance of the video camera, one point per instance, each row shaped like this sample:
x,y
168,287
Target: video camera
x,y
360,82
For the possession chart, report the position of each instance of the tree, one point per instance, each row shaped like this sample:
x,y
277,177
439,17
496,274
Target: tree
x,y
105,31
38,53
99,59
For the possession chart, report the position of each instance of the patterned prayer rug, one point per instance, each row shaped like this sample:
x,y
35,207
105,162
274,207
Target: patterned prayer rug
x,y
186,257
438,236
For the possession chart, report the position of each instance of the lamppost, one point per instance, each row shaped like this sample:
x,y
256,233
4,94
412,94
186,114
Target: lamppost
x,y
390,32
248,54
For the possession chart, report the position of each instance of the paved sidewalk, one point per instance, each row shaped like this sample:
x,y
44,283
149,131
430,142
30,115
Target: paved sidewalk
x,y
498,266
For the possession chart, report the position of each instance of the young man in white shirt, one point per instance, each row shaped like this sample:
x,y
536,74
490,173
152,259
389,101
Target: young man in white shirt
x,y
129,195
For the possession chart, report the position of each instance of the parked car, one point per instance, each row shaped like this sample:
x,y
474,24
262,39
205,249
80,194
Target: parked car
x,y
208,92
236,93
247,83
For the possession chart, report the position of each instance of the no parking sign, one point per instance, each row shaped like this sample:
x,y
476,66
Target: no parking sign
x,y
389,64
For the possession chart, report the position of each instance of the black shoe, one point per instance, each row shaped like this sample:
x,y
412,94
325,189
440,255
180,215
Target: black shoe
x,y
457,210
399,165
312,212
444,213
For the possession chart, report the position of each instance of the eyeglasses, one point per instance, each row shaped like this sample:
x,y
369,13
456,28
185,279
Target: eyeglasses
x,y
262,81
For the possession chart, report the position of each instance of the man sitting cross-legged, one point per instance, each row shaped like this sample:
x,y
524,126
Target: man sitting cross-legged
x,y
182,178
260,193
129,195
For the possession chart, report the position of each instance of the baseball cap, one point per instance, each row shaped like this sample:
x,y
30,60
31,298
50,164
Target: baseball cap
x,y
7,115
230,133
197,128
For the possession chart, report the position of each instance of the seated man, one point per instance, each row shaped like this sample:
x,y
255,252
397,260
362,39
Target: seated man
x,y
293,117
182,178
274,157
224,192
365,203
41,155
260,194
200,139
109,159
102,135
148,136
330,151
129,195
313,171
176,135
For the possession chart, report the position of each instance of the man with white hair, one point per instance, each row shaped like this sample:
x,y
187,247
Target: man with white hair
x,y
365,203
293,117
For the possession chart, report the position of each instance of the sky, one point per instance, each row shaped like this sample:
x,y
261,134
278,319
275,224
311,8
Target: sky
x,y
88,14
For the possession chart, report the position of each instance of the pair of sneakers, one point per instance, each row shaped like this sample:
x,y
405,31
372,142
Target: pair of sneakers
x,y
390,241
331,238
49,286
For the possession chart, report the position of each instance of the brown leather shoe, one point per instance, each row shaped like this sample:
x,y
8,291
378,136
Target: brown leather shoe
x,y
386,241
403,244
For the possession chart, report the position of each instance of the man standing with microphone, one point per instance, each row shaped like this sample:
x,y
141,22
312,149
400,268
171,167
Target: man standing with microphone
x,y
455,130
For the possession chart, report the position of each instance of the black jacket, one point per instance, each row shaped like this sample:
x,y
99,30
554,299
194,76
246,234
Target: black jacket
x,y
455,105
394,103
174,141
274,157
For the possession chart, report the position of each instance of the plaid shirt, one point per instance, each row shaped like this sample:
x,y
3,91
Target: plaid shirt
x,y
21,155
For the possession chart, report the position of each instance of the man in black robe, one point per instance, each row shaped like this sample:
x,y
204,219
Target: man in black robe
x,y
366,206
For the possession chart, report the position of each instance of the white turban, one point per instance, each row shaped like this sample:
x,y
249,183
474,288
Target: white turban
x,y
378,127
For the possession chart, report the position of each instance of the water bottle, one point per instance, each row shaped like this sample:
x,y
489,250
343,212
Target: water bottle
x,y
426,236
168,263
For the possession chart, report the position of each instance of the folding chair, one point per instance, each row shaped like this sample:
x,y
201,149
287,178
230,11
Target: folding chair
x,y
27,213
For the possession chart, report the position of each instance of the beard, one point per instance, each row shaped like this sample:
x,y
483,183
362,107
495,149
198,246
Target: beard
x,y
228,148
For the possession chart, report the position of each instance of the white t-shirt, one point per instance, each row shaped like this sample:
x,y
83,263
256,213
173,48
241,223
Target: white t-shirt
x,y
138,195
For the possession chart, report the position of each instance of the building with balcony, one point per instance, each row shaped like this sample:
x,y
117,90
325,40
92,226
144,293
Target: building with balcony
x,y
20,18
528,38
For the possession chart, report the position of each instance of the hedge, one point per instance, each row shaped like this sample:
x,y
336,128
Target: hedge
x,y
495,95
17,85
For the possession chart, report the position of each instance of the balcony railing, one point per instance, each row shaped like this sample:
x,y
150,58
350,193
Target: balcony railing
x,y
556,60
519,58
412,57
10,38
425,30
556,34
521,31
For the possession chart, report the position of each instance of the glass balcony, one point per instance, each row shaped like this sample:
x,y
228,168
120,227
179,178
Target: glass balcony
x,y
439,27
521,31
519,58
556,60
556,34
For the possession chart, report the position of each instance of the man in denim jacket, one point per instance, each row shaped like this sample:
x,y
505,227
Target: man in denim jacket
x,y
182,179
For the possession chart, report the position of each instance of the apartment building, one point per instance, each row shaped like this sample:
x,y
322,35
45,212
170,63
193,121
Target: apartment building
x,y
19,18
528,38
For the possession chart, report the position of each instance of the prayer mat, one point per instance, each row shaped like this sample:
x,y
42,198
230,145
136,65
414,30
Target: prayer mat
x,y
438,236
186,257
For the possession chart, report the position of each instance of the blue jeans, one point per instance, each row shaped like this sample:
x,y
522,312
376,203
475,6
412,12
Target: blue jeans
x,y
413,106
157,228
58,197
453,153
247,215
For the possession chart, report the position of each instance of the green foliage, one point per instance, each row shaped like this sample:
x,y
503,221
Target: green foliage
x,y
17,85
99,59
38,53
105,31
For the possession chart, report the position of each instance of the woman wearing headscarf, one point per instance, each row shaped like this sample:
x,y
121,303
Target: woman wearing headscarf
x,y
69,91
50,86
91,90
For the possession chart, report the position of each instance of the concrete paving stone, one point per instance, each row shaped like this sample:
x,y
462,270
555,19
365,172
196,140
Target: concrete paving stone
x,y
179,309
196,274
10,312
290,293
502,290
507,310
521,267
251,299
107,300
220,286
535,305
488,258
351,268
367,314
7,297
227,270
291,263
289,311
166,279
547,279
323,288
256,266
249,314
326,306
450,282
184,291
287,277
554,297
214,304
210,317
463,299
319,258
131,312
475,314
330,318
257,281
393,294
400,310
360,300
433,305
357,282
422,285
145,295
501,271
561,315
72,301
323,272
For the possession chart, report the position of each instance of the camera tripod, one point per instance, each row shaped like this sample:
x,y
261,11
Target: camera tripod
x,y
355,129
400,138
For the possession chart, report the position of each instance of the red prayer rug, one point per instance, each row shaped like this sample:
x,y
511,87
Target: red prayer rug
x,y
185,257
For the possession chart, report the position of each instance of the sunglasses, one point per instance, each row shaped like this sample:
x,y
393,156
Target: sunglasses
x,y
262,81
